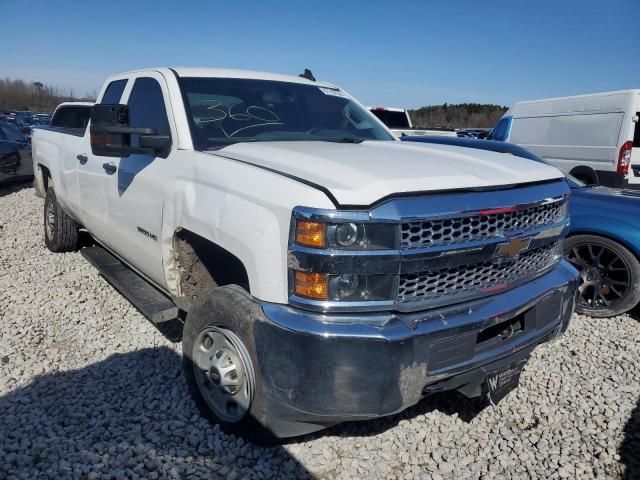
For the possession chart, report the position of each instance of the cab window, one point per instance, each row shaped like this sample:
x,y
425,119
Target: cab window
x,y
72,117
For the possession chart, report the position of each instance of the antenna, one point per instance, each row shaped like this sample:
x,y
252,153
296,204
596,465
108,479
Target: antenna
x,y
308,75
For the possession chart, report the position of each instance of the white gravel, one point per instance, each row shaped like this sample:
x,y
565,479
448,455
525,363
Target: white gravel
x,y
90,389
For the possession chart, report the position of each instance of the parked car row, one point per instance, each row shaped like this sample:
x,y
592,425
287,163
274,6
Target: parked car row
x,y
16,163
25,121
473,132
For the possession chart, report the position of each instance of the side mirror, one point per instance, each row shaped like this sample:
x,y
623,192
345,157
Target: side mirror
x,y
111,134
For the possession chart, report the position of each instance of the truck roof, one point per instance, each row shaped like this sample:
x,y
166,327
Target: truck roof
x,y
230,73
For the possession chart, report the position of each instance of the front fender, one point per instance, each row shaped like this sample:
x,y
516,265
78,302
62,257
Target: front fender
x,y
614,228
241,208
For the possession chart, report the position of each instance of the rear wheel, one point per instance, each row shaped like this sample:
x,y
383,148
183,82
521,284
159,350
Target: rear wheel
x,y
609,275
61,232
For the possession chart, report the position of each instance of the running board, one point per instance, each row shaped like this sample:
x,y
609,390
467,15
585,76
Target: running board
x,y
152,303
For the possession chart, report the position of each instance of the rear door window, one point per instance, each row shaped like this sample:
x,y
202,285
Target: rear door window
x,y
113,93
636,134
72,118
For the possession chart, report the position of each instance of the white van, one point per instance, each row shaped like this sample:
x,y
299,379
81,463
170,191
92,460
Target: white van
x,y
594,137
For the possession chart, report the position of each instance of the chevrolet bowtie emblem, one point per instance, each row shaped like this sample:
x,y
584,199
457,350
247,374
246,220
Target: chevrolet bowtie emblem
x,y
514,247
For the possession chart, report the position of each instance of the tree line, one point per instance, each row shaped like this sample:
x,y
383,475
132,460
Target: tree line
x,y
462,115
35,96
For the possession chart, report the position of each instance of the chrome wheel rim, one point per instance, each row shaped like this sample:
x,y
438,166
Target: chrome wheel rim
x,y
49,220
223,373
605,277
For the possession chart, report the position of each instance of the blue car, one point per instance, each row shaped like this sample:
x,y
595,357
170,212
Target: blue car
x,y
604,236
16,163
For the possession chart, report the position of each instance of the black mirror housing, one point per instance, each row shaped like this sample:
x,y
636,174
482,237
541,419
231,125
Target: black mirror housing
x,y
111,134
108,130
158,144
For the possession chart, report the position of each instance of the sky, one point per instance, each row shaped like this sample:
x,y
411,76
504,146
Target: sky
x,y
401,54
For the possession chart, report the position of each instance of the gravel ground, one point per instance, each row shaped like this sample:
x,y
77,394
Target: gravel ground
x,y
90,389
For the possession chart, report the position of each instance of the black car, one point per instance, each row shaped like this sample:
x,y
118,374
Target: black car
x,y
480,133
15,154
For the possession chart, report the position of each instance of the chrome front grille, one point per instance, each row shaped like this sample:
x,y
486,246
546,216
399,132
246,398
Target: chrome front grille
x,y
439,249
471,279
479,225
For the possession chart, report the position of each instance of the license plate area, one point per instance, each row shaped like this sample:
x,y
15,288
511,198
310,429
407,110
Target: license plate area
x,y
454,351
501,381
501,332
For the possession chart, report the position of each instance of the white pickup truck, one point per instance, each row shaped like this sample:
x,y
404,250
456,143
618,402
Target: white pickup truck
x,y
399,122
324,270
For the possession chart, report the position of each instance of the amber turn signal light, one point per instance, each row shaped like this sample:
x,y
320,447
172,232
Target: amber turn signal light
x,y
310,234
312,285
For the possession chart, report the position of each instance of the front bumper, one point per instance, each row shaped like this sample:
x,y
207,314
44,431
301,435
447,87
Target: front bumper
x,y
318,370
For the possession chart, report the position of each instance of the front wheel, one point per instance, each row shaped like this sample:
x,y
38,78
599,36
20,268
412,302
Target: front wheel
x,y
609,275
220,364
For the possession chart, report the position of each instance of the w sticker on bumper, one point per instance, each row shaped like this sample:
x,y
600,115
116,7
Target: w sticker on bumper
x,y
501,382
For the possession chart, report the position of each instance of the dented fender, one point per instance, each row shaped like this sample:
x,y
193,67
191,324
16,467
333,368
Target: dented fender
x,y
241,208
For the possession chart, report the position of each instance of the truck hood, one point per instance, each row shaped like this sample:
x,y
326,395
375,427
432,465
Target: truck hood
x,y
361,174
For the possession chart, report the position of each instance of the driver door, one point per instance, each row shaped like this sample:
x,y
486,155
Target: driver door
x,y
134,191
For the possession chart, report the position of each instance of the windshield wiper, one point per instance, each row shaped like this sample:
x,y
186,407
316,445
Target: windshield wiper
x,y
342,140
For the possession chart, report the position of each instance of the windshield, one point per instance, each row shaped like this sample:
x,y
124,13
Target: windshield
x,y
225,111
392,119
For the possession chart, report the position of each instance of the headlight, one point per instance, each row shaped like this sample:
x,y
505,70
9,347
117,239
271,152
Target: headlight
x,y
342,260
310,234
345,235
345,287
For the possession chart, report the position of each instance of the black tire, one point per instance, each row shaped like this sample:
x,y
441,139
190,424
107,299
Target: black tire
x,y
61,232
230,310
609,275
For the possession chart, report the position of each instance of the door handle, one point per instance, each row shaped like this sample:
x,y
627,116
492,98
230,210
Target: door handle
x,y
110,168
82,158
